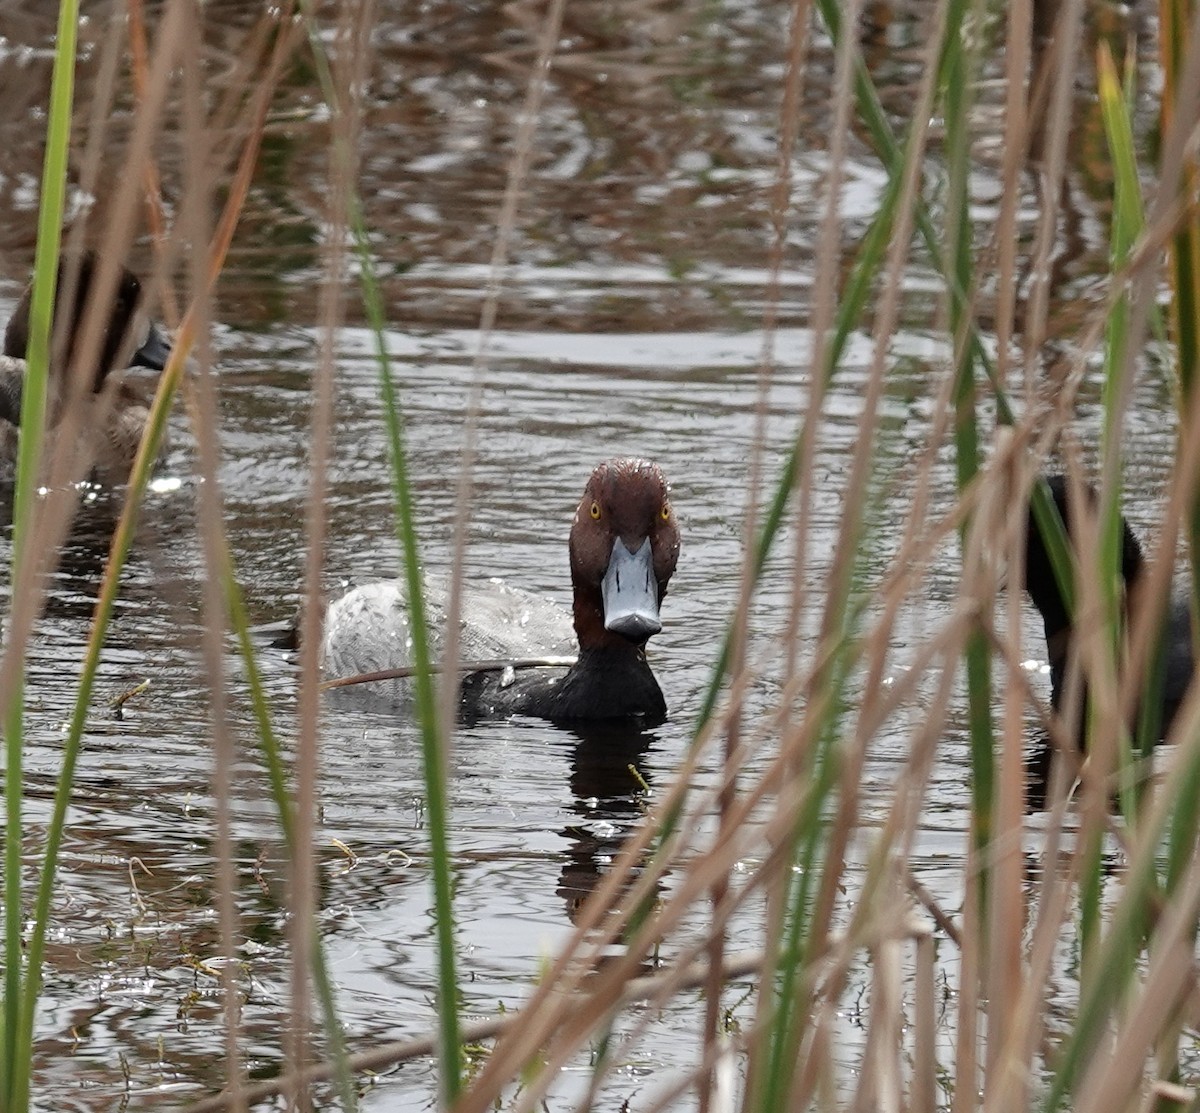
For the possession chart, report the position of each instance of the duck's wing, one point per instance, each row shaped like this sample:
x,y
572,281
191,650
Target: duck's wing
x,y
507,622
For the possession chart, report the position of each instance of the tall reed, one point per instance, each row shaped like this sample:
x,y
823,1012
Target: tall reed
x,y
16,1045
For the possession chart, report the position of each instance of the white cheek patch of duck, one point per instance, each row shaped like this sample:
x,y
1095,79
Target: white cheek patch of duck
x,y
523,635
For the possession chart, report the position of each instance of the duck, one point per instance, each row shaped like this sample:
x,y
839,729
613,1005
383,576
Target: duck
x,y
1043,590
116,411
623,547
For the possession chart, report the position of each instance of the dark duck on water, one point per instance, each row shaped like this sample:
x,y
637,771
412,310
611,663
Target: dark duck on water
x,y
1060,626
624,546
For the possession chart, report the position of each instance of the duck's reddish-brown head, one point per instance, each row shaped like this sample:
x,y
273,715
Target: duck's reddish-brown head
x,y
624,547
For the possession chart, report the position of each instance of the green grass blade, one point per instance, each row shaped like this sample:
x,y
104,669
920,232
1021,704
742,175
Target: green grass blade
x,y
1126,226
102,615
17,1039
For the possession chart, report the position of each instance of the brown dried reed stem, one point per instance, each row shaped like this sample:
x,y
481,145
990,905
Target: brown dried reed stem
x,y
389,1054
348,68
195,222
780,205
506,222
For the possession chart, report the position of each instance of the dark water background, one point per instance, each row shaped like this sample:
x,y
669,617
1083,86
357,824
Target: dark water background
x,y
630,325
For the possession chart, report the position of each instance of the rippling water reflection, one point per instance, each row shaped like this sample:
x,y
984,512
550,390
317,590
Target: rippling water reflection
x,y
628,326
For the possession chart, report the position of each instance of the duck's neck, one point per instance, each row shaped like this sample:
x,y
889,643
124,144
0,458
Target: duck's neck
x,y
610,682
1060,625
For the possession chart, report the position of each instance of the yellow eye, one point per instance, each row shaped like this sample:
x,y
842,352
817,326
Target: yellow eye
x,y
666,511
596,511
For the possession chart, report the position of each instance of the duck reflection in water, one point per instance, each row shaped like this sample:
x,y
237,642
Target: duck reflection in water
x,y
608,781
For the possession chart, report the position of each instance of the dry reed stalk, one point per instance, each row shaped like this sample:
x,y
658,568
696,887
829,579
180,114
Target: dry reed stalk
x,y
823,308
386,1055
1168,212
1017,60
52,516
894,839
922,1093
208,268
823,312
195,222
861,466
1006,911
155,216
543,1019
966,1077
597,925
1053,135
50,525
770,784
1000,959
348,70
55,513
1019,1005
831,990
740,676
1172,972
880,1084
506,222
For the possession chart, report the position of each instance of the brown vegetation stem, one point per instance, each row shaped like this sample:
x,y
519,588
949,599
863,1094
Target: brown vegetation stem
x,y
1065,53
851,526
53,514
195,218
152,185
168,383
302,894
1006,905
1017,51
506,220
780,204
544,1019
566,1030
1112,1085
596,926
51,517
780,207
389,1054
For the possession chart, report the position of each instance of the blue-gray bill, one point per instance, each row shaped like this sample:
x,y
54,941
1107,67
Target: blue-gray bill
x,y
154,352
630,592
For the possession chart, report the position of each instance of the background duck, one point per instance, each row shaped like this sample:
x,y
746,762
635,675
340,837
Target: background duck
x,y
624,546
1059,624
114,411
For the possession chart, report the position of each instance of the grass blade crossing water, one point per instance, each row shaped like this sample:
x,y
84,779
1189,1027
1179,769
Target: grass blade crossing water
x,y
17,1046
